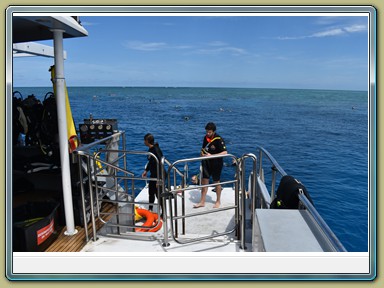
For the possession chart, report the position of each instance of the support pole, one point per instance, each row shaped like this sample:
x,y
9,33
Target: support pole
x,y
63,136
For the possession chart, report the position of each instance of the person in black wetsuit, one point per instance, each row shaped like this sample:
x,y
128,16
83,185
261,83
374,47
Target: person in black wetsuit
x,y
151,166
213,144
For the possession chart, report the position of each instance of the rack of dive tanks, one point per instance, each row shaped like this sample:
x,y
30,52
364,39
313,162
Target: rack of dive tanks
x,y
36,168
36,165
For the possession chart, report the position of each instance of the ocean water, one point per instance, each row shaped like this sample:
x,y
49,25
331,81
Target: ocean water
x,y
318,136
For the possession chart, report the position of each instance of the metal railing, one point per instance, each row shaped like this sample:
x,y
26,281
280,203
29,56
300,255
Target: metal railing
x,y
174,191
328,234
105,178
252,190
86,168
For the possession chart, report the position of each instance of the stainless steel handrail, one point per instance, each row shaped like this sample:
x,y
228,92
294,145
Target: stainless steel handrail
x,y
173,218
253,193
93,173
131,177
124,175
335,242
84,152
330,236
167,188
272,160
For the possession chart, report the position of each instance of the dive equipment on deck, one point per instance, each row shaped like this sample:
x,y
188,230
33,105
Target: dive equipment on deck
x,y
93,129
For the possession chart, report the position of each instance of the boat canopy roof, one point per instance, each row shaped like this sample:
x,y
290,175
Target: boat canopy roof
x,y
27,28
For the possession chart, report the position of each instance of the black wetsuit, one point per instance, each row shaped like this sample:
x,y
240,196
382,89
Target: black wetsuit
x,y
213,167
152,168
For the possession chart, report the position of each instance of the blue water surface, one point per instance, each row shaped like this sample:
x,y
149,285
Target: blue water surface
x,y
318,136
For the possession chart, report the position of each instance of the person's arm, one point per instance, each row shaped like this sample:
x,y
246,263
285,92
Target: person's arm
x,y
145,172
203,152
221,146
147,167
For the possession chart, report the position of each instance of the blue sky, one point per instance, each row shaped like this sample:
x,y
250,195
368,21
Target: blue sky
x,y
314,52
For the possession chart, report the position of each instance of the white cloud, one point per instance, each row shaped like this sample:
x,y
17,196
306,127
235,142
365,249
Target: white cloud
x,y
142,46
329,33
232,50
291,37
332,32
217,43
182,47
153,46
214,47
356,28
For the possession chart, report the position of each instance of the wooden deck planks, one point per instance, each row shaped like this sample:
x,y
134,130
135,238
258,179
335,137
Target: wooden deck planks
x,y
76,242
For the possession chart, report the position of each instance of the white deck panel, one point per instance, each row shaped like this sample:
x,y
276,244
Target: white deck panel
x,y
284,230
204,224
108,244
208,224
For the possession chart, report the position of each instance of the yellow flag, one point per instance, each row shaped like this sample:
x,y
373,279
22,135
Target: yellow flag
x,y
72,135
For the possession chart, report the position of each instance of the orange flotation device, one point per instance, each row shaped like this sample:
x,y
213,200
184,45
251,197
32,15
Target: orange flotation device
x,y
152,219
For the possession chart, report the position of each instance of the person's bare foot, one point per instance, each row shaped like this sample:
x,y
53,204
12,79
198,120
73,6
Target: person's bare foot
x,y
217,205
198,205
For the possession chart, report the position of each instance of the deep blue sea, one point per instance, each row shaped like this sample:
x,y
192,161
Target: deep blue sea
x,y
318,136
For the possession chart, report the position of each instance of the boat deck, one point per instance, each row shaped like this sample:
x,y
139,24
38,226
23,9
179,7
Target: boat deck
x,y
197,226
75,243
65,243
287,224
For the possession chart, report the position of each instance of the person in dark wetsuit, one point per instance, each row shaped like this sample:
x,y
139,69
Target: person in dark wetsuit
x,y
151,166
213,144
